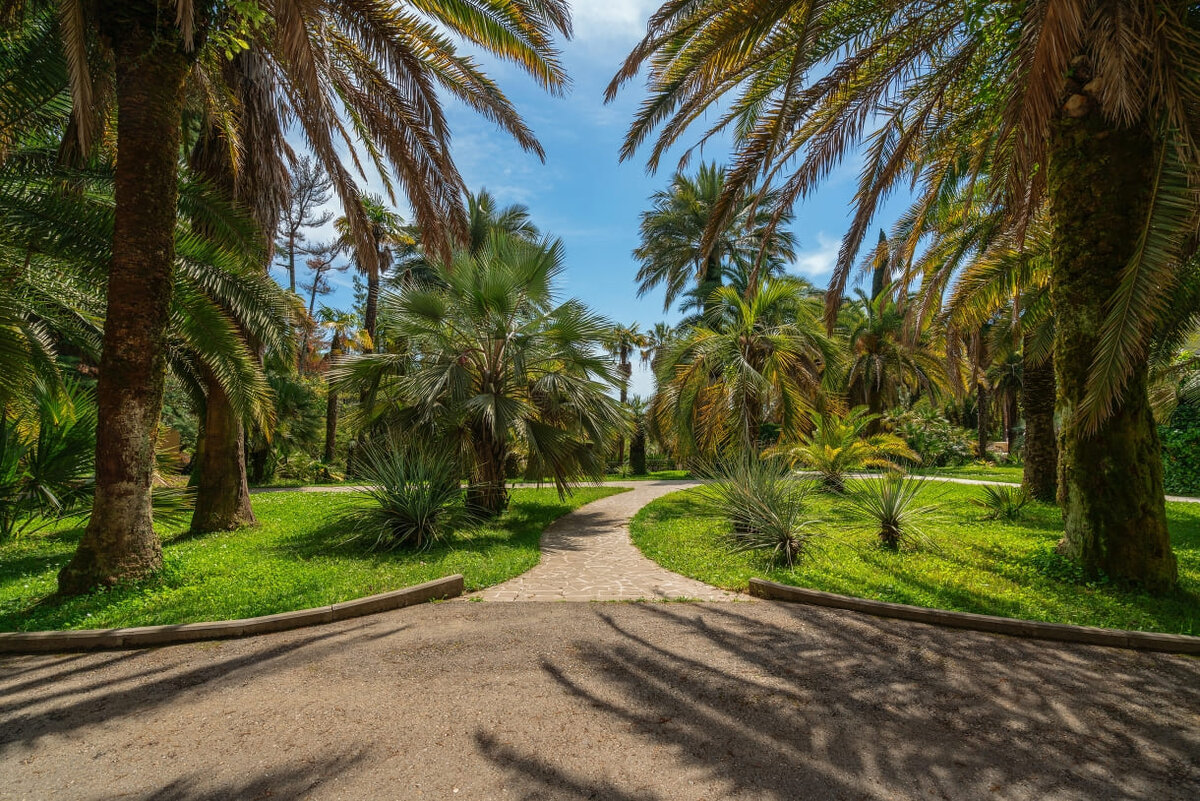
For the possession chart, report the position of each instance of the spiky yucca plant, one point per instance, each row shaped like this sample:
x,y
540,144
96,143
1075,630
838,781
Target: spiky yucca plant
x,y
891,503
766,508
416,498
1003,503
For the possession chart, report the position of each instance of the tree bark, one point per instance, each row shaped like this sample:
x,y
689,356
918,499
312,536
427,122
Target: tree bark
x,y
983,419
488,493
331,403
1040,477
120,543
1111,485
1012,414
222,491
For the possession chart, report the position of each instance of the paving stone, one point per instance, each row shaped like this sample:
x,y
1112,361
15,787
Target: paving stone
x,y
587,556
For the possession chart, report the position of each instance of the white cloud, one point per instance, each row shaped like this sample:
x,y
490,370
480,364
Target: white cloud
x,y
820,261
611,19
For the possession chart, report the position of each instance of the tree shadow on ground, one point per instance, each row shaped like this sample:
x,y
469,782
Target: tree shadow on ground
x,y
101,700
284,783
836,705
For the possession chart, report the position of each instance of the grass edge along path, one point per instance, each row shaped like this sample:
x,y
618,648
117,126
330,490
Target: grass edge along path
x,y
296,558
970,564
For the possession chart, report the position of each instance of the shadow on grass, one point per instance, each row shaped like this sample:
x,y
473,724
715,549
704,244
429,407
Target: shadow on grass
x,y
522,524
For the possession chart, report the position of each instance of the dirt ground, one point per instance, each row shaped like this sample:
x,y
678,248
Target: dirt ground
x,y
613,701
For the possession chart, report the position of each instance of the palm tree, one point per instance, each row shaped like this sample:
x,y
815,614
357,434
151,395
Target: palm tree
x,y
146,50
886,364
1090,111
842,443
762,360
673,250
497,366
347,336
622,341
385,231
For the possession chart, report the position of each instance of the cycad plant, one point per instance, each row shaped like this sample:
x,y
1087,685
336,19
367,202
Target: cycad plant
x,y
840,444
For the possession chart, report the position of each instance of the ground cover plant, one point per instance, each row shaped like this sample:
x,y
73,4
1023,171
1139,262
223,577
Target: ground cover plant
x,y
298,557
988,567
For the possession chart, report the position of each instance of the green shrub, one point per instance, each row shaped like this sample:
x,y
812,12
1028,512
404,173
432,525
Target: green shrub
x,y
416,494
1181,451
890,502
46,458
1003,503
936,440
766,508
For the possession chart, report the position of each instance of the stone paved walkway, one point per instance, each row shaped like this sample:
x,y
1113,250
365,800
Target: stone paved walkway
x,y
587,556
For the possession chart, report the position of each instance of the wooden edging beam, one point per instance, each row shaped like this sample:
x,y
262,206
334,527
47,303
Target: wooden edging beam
x,y
25,642
1030,629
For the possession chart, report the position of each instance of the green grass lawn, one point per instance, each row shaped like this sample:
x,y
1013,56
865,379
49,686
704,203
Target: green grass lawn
x,y
974,565
296,558
981,472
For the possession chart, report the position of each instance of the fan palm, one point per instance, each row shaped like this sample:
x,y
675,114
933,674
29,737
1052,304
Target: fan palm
x,y
495,365
1088,109
760,359
672,232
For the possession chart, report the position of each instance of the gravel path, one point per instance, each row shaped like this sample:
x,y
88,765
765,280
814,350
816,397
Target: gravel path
x,y
587,556
617,702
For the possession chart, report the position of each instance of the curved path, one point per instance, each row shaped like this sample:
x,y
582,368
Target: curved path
x,y
587,556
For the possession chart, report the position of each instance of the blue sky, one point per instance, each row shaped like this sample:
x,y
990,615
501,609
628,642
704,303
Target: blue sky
x,y
582,194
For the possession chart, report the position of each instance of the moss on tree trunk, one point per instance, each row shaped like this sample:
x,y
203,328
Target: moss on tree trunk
x,y
1111,490
1040,476
120,543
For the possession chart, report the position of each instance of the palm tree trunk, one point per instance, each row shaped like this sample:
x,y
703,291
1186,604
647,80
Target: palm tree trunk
x,y
371,312
222,491
1011,415
331,403
1100,180
1040,477
983,419
120,542
711,281
488,494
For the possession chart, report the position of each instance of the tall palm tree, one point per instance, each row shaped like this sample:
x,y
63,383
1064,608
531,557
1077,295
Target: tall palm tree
x,y
622,341
499,366
1090,110
673,252
761,359
885,363
385,231
366,71
346,336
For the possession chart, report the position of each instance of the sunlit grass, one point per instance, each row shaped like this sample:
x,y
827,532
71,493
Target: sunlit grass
x,y
973,565
298,557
